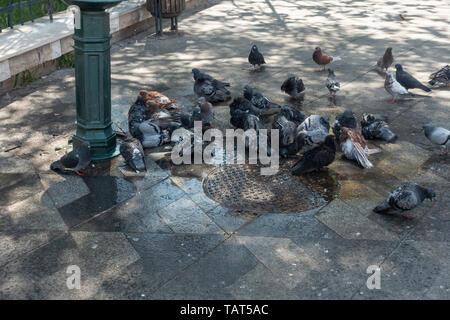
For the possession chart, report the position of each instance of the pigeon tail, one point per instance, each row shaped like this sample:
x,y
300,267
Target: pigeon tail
x,y
425,88
57,165
382,207
361,156
336,59
388,135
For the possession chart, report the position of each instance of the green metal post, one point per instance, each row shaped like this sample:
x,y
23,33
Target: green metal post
x,y
93,81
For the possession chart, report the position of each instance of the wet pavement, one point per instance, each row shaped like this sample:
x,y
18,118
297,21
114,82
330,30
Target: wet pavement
x,y
159,236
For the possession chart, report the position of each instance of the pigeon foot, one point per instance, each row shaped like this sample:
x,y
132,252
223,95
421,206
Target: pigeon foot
x,y
80,173
408,217
392,100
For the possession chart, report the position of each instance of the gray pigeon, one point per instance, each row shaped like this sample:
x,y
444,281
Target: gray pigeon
x,y
206,86
346,119
406,197
332,84
395,89
131,150
316,158
437,135
257,99
293,115
375,127
407,80
188,119
77,159
313,131
153,134
294,87
441,76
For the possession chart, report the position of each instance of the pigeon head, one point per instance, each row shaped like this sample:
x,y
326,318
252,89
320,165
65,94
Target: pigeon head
x,y
196,73
389,75
429,193
399,67
426,193
254,48
427,128
248,92
348,114
84,149
318,49
389,50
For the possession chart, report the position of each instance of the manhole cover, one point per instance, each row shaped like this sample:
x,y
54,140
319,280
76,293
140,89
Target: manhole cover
x,y
243,188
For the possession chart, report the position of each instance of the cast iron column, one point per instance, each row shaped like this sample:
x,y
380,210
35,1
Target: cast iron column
x,y
93,79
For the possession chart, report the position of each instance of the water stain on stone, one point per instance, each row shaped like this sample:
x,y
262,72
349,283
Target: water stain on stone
x,y
105,192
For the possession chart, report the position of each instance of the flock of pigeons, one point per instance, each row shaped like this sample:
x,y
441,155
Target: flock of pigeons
x,y
153,118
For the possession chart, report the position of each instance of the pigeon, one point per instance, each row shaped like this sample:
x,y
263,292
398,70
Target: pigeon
x,y
255,57
322,59
376,127
354,147
206,112
245,120
293,115
294,87
77,159
287,133
131,150
316,158
313,131
394,88
257,99
244,105
331,83
406,197
385,61
187,119
156,102
437,135
206,86
346,119
157,132
407,80
136,115
441,76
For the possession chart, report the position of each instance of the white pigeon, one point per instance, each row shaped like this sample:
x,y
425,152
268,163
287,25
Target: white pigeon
x,y
394,88
331,83
437,135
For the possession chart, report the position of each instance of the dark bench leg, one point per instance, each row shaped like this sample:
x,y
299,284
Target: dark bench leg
x,y
158,17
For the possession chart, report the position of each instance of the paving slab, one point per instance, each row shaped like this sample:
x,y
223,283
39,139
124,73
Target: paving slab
x,y
211,275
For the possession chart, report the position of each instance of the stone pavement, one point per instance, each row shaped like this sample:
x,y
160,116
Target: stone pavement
x,y
160,237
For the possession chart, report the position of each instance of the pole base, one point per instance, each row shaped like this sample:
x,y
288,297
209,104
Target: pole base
x,y
107,156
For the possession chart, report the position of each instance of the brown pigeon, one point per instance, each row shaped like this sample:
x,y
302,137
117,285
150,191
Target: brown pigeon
x,y
322,59
155,102
354,147
385,61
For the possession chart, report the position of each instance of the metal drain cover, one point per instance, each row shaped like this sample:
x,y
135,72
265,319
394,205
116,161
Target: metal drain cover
x,y
243,188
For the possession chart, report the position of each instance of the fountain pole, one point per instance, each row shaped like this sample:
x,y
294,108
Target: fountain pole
x,y
93,78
